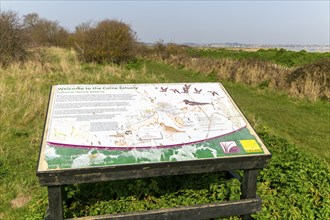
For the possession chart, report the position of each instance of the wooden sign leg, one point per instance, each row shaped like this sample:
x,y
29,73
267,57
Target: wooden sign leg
x,y
249,187
55,203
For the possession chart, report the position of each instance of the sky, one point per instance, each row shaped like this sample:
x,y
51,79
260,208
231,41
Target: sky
x,y
201,22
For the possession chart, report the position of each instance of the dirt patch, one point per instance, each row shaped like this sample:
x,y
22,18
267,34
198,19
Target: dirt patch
x,y
20,201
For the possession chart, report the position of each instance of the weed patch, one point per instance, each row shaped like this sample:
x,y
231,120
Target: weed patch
x,y
294,185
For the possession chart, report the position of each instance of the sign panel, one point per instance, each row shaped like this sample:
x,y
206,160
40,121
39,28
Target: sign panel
x,y
103,125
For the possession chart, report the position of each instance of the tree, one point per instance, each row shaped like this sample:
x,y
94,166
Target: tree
x,y
43,32
13,42
107,41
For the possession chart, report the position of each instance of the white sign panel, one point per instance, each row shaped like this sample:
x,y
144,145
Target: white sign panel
x,y
140,116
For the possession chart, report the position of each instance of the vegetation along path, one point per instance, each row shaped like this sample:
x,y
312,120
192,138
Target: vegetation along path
x,y
295,184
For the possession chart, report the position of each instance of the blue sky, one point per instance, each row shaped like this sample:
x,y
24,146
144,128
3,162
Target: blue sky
x,y
262,22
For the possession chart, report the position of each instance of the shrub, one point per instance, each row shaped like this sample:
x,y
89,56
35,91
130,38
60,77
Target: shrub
x,y
13,42
160,50
176,49
107,41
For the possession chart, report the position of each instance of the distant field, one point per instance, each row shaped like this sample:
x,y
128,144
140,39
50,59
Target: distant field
x,y
295,185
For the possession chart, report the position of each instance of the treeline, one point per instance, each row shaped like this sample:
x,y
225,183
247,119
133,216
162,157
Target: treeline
x,y
104,41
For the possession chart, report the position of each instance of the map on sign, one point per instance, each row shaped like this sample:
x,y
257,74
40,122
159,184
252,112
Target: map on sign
x,y
96,125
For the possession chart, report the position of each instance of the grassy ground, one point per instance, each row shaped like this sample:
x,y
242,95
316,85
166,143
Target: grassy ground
x,y
304,123
24,93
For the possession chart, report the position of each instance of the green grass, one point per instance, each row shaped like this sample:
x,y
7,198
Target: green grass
x,y
304,123
23,98
169,74
278,56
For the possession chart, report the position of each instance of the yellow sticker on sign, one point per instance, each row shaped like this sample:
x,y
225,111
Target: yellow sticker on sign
x,y
251,146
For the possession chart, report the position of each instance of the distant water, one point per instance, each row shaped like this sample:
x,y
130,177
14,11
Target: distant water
x,y
308,48
292,47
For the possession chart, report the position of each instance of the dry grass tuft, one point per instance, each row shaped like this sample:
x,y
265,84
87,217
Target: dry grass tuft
x,y
252,72
20,201
311,80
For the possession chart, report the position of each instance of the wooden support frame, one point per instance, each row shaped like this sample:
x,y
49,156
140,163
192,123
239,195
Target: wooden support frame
x,y
248,204
249,184
55,203
212,210
249,187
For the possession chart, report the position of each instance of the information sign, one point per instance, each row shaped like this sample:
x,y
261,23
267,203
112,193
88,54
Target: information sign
x,y
104,125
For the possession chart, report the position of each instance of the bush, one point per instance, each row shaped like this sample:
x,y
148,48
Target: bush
x,y
107,41
13,42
